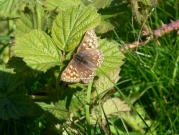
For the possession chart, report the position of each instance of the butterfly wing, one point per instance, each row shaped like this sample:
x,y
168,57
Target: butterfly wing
x,y
71,74
89,41
76,72
86,74
84,70
93,57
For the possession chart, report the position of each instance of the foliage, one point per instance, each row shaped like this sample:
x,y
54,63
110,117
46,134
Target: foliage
x,y
71,24
134,92
60,5
7,7
38,50
12,96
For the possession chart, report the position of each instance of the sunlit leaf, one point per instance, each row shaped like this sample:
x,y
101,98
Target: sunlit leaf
x,y
37,50
115,105
111,107
4,53
60,4
70,25
58,109
35,18
113,58
98,3
108,73
9,7
106,82
104,27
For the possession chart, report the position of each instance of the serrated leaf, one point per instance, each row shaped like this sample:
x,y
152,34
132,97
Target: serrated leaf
x,y
106,81
35,18
115,105
77,102
8,7
104,27
98,3
4,53
37,50
113,58
108,73
58,109
70,25
60,4
3,28
111,107
4,69
102,3
13,101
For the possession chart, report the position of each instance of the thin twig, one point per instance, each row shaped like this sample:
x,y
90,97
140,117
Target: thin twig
x,y
167,28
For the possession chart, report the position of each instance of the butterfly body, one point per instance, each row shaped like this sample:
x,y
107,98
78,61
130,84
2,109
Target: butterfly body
x,y
85,61
80,58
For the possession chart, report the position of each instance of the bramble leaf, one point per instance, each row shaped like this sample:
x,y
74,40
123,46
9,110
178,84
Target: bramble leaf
x,y
70,25
106,82
25,24
104,27
98,3
113,58
114,106
37,50
60,4
9,7
13,101
57,109
108,73
111,107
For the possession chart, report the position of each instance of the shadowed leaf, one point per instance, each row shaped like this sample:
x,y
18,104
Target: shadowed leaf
x,y
13,101
113,58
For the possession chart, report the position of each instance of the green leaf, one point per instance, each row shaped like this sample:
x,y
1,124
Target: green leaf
x,y
58,109
13,101
37,50
104,27
113,57
35,18
70,25
4,69
60,4
98,3
108,73
106,82
111,107
102,3
8,7
4,53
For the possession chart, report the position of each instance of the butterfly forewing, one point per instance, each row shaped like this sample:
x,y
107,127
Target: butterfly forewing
x,y
85,72
85,61
93,57
89,41
71,74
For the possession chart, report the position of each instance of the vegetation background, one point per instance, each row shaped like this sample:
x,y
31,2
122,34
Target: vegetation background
x,y
135,92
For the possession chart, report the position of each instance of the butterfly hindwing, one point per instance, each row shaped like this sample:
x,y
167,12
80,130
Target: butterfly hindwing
x,y
85,72
93,57
89,41
85,61
70,74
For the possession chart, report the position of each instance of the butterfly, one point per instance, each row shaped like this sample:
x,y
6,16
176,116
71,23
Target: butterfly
x,y
85,61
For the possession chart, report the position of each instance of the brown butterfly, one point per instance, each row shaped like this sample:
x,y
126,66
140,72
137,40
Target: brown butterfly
x,y
85,61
